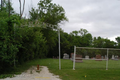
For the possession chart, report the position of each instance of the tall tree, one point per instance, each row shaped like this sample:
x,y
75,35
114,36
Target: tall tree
x,y
9,7
1,5
118,41
75,33
83,32
103,43
98,42
21,10
48,12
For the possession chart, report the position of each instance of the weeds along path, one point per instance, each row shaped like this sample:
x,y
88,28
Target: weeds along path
x,y
31,74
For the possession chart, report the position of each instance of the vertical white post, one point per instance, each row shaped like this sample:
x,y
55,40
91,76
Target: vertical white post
x,y
74,58
107,60
59,48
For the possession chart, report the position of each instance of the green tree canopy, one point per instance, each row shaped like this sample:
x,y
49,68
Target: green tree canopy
x,y
48,12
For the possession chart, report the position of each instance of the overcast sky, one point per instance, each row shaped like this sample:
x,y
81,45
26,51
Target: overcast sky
x,y
99,17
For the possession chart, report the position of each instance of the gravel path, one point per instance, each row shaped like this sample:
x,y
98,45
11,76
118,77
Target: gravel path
x,y
31,74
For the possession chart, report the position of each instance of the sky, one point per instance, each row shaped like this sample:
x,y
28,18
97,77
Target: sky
x,y
98,17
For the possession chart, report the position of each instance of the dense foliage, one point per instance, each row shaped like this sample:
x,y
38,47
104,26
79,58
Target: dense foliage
x,y
21,42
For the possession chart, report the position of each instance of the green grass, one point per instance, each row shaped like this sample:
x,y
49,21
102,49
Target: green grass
x,y
94,70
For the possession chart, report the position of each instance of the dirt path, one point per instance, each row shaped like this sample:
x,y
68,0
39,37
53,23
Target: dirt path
x,y
31,74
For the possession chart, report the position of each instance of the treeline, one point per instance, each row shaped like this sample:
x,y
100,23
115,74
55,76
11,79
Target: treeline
x,y
93,52
24,39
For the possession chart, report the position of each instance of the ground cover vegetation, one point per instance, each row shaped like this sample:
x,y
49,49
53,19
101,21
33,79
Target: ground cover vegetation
x,y
21,42
88,70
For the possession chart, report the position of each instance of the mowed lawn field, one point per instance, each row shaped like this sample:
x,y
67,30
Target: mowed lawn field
x,y
88,70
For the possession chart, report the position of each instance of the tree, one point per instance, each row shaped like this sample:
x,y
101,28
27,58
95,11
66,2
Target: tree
x,y
51,14
9,7
83,32
98,42
48,12
22,10
103,43
7,47
6,8
1,5
109,44
86,38
118,41
75,33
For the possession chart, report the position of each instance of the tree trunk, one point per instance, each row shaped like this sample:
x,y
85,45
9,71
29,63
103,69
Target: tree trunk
x,y
1,5
22,11
20,8
9,7
23,8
